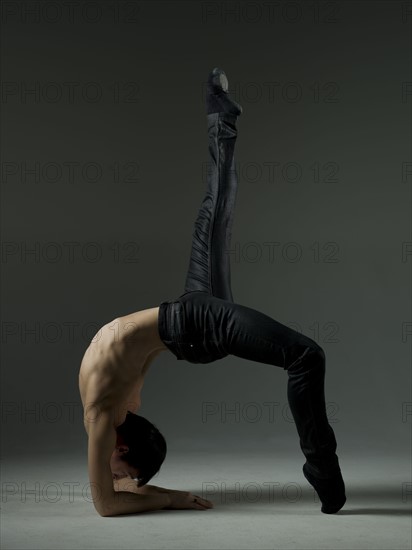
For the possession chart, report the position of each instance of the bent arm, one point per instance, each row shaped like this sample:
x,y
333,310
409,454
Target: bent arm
x,y
108,502
130,485
129,503
183,500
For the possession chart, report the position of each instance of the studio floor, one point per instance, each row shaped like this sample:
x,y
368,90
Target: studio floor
x,y
260,502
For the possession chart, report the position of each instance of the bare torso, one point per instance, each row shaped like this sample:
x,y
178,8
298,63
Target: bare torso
x,y
114,365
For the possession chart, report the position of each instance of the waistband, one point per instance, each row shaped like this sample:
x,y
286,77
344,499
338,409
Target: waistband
x,y
169,325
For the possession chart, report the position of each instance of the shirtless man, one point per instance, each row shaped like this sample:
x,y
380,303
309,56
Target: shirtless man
x,y
110,381
202,325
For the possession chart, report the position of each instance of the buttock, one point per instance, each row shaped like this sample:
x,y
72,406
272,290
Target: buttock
x,y
192,328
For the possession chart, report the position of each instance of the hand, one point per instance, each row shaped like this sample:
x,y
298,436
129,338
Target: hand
x,y
125,484
179,500
183,500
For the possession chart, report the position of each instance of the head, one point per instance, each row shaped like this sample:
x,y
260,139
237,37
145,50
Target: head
x,y
140,449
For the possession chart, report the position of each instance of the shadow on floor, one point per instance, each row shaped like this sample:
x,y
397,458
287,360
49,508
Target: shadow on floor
x,y
375,511
359,501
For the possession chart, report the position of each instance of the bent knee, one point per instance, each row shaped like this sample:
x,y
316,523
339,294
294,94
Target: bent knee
x,y
319,352
309,357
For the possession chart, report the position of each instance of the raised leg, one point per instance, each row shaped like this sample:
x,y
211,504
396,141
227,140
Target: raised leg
x,y
215,326
209,264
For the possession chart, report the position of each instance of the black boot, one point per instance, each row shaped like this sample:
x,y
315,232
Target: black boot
x,y
331,490
217,95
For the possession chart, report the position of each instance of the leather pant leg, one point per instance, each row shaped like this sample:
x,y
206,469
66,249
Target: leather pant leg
x,y
204,324
209,264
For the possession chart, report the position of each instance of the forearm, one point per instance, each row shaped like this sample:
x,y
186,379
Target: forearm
x,y
127,484
126,502
152,494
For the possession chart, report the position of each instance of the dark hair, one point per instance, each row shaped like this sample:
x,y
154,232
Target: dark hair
x,y
147,446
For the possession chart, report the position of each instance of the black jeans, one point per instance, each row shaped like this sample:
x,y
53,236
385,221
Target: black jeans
x,y
204,324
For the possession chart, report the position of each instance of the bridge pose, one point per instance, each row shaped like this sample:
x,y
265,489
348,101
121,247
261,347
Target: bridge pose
x,y
202,325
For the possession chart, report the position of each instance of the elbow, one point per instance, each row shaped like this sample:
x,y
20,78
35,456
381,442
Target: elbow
x,y
106,513
105,510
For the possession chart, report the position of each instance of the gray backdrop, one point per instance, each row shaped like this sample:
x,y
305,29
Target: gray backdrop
x,y
103,169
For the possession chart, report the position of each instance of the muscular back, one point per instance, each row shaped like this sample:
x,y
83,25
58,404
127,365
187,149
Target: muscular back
x,y
113,367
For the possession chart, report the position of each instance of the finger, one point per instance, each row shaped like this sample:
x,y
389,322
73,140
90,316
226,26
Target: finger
x,y
198,506
203,500
204,503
